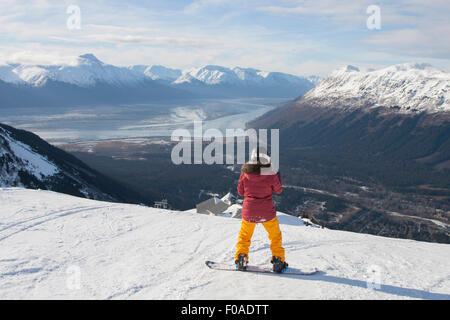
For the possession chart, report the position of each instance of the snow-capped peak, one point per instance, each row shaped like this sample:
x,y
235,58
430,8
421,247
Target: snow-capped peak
x,y
86,71
89,58
408,87
158,72
89,70
350,68
209,74
212,75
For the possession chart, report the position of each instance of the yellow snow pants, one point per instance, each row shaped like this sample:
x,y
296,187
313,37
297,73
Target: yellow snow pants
x,y
245,235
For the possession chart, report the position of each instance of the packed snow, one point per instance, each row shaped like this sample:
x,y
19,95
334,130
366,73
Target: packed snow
x,y
408,87
55,246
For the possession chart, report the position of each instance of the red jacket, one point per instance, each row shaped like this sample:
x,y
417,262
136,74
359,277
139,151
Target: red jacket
x,y
257,190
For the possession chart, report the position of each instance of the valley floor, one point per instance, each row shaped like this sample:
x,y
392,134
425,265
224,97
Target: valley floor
x,y
54,246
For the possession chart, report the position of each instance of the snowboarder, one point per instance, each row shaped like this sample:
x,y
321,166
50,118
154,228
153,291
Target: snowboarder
x,y
258,207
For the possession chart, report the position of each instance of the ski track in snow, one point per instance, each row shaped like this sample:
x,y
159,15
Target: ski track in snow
x,y
132,252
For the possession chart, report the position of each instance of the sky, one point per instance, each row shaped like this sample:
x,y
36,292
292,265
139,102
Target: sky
x,y
302,37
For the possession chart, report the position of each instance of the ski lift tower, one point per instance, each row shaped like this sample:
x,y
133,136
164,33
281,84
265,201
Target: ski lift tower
x,y
163,204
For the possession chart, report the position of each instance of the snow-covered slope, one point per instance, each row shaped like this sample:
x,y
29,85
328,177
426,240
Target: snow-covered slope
x,y
55,246
30,162
409,87
17,158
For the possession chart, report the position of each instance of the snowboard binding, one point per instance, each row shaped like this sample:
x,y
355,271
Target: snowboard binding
x,y
278,265
241,262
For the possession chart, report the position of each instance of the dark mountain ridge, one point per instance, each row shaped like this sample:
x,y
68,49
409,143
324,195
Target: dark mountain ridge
x,y
20,148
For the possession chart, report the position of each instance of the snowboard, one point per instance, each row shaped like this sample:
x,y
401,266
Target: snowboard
x,y
261,269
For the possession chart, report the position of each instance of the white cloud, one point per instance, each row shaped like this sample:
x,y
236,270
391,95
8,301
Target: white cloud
x,y
344,10
35,54
413,42
180,41
204,32
197,6
114,28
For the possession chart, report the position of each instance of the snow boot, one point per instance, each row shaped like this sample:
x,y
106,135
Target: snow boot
x,y
278,265
241,262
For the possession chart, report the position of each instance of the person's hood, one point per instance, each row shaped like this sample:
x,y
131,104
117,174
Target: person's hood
x,y
251,167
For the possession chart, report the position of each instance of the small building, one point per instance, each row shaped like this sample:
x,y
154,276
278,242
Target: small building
x,y
212,206
163,204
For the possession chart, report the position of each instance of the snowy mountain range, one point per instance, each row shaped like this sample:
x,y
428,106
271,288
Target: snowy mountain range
x,y
214,75
390,127
157,72
30,162
56,246
87,70
89,80
409,87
